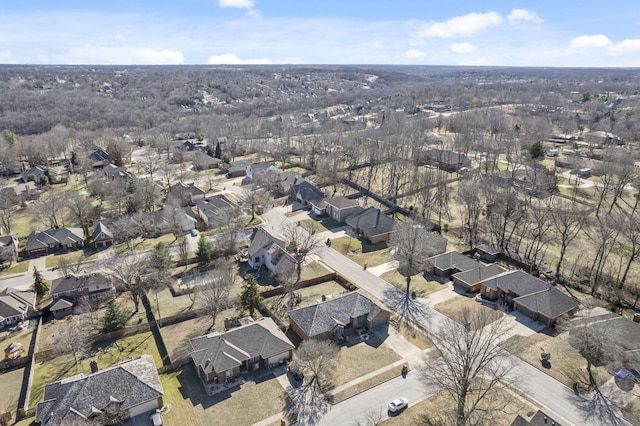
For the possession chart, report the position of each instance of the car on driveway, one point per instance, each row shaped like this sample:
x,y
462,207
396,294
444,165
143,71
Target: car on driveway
x,y
194,232
398,405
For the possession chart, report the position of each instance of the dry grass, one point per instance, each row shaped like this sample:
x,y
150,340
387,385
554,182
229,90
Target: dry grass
x,y
18,268
454,307
313,270
11,384
631,412
364,385
431,410
419,284
177,336
190,406
351,364
412,334
23,336
362,252
319,225
169,305
53,260
567,365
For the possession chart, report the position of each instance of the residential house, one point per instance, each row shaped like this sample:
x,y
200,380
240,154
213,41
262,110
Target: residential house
x,y
102,236
113,173
8,248
470,280
338,317
529,295
487,252
37,172
268,251
449,161
16,305
371,224
90,289
220,357
305,192
214,206
237,169
202,161
172,219
450,263
536,181
98,157
44,242
16,194
186,194
129,389
539,418
255,169
337,208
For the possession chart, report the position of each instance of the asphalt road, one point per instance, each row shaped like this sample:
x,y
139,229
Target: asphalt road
x,y
375,401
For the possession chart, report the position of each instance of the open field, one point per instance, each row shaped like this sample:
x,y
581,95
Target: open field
x,y
362,252
189,405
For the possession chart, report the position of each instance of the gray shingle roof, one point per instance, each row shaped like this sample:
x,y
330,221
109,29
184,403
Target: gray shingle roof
x,y
101,232
15,302
261,239
72,282
518,282
341,202
550,302
219,352
41,239
324,316
372,221
307,191
478,274
453,259
133,383
61,303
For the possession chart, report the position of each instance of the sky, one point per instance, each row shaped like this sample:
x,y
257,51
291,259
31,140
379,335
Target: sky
x,y
558,33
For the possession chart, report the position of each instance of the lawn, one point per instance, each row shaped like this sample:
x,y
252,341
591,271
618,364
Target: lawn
x,y
168,304
177,336
364,385
566,365
18,268
105,353
53,260
23,336
143,244
412,334
351,364
419,284
454,306
431,411
191,406
313,270
319,225
11,385
362,252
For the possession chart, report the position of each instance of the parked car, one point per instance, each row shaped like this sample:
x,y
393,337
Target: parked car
x,y
194,232
398,405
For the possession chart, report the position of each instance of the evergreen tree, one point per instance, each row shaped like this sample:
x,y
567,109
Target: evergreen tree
x,y
536,150
218,153
250,298
204,252
39,283
114,318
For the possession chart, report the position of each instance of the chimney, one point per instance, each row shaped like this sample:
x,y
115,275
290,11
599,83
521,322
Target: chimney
x,y
94,366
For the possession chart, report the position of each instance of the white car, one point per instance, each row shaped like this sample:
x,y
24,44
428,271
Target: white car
x,y
398,405
194,232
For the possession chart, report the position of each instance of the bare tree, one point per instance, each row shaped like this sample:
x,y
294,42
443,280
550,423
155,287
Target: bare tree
x,y
300,244
230,224
69,265
413,244
183,250
317,359
253,198
80,208
213,290
8,201
470,367
73,338
128,272
49,208
567,221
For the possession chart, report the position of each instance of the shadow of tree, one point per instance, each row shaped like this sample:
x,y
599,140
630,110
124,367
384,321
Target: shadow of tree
x,y
598,408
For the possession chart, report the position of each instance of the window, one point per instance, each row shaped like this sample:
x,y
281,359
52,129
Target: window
x,y
257,259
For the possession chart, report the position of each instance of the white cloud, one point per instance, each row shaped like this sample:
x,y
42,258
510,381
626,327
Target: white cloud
x,y
231,59
519,16
414,54
587,41
243,4
462,47
461,25
123,55
631,45
377,45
